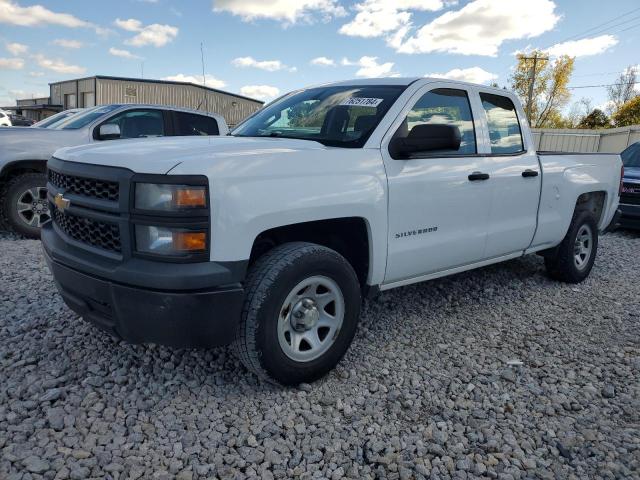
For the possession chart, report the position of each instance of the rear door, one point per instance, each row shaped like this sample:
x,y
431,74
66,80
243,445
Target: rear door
x,y
515,176
438,205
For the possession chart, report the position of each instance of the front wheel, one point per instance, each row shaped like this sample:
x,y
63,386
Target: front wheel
x,y
300,314
572,260
23,204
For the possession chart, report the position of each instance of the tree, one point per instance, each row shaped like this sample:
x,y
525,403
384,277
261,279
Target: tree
x,y
623,88
628,114
596,119
550,93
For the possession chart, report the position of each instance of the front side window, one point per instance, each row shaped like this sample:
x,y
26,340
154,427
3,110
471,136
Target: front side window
x,y
188,124
138,123
340,116
443,106
504,128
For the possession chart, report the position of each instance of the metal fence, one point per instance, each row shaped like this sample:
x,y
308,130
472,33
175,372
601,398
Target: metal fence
x,y
612,140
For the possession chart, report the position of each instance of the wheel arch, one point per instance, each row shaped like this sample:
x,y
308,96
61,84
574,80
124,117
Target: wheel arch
x,y
349,236
18,167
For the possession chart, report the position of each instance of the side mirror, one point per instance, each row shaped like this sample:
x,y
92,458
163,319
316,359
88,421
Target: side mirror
x,y
110,131
426,138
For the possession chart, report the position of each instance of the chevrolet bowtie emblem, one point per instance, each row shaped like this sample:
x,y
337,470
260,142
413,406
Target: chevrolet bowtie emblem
x,y
61,202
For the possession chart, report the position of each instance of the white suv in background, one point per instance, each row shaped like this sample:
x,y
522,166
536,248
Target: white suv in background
x,y
5,120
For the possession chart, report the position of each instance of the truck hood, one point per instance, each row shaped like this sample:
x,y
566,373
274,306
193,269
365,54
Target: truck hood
x,y
25,143
160,155
632,173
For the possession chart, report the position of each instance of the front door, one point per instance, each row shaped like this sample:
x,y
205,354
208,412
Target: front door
x,y
439,201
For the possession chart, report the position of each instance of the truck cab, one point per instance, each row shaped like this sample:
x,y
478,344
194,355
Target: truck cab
x,y
269,238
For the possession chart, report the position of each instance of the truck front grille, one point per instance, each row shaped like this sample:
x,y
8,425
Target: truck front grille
x,y
100,234
88,187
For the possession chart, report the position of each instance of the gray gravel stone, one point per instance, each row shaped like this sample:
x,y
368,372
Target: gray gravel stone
x,y
426,390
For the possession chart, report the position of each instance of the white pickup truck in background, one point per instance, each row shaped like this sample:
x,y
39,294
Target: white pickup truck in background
x,y
24,151
268,238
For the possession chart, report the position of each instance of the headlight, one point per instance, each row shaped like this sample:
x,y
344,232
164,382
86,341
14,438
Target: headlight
x,y
170,241
170,198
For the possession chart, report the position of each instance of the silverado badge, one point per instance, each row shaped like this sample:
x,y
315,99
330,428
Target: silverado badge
x,y
61,202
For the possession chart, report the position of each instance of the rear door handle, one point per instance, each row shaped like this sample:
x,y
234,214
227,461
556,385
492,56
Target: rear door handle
x,y
475,176
530,173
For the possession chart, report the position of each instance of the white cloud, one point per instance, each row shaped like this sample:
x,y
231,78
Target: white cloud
x,y
14,14
14,63
379,17
286,11
473,75
370,68
268,65
155,34
57,65
478,28
64,43
323,62
584,47
17,48
36,74
261,92
210,80
116,52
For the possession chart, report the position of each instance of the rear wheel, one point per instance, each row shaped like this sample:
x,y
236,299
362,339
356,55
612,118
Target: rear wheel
x,y
300,314
572,260
23,204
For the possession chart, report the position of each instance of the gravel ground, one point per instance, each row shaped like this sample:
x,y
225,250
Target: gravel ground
x,y
426,391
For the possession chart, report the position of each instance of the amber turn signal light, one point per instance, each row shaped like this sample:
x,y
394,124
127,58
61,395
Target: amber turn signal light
x,y
189,241
190,198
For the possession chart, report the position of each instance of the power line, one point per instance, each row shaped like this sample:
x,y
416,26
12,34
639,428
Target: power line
x,y
603,85
598,26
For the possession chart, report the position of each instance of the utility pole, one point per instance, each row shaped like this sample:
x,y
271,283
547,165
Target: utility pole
x,y
532,81
204,80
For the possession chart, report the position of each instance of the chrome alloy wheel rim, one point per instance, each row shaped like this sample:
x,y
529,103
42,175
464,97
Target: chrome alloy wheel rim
x,y
310,318
33,206
583,247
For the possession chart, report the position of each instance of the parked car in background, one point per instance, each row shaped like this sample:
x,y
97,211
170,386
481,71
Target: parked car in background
x,y
24,151
326,194
630,195
49,122
5,119
21,121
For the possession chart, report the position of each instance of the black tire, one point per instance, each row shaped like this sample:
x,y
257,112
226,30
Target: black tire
x,y
561,263
268,284
14,190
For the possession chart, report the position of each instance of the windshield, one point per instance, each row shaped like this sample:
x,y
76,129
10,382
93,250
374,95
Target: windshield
x,y
341,116
85,118
54,119
631,156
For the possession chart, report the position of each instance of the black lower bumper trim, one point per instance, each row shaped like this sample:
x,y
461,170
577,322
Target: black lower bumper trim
x,y
630,216
179,319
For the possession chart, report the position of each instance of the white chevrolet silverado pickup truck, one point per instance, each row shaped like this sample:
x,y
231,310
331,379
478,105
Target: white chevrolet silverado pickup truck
x,y
267,239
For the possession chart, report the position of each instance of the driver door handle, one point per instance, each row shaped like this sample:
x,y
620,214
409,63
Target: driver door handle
x,y
475,176
530,173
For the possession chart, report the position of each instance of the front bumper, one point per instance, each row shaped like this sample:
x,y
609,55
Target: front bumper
x,y
630,216
189,313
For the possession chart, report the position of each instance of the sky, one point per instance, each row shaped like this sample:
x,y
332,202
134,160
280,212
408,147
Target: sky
x,y
263,48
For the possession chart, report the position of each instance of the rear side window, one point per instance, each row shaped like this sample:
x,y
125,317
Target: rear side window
x,y
504,128
443,106
188,124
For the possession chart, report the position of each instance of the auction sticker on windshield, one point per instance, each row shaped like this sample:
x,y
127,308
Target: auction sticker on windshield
x,y
362,102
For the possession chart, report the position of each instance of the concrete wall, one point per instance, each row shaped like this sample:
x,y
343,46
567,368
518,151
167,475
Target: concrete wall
x,y
612,140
